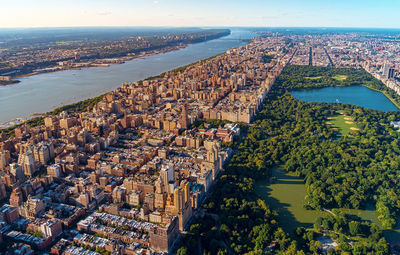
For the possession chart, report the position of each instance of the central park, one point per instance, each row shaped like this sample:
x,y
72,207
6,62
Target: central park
x,y
309,173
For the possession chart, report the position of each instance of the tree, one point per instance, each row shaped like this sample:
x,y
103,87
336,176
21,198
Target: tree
x,y
330,251
38,234
292,250
182,251
354,227
195,229
315,247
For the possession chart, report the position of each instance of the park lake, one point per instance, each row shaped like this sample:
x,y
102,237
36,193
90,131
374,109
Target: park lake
x,y
286,193
356,95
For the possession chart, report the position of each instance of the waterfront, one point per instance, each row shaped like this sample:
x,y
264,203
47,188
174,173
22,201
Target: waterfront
x,y
42,93
357,95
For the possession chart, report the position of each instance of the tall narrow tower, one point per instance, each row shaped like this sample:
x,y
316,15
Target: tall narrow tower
x,y
184,117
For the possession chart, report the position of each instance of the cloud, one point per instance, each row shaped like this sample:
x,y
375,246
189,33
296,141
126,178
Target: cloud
x,y
156,2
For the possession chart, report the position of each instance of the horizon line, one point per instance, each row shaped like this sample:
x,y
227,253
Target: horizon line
x,y
202,27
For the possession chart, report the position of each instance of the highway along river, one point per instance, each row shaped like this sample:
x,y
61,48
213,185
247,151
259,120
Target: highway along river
x,y
44,92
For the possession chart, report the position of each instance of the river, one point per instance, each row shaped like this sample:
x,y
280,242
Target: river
x,y
44,92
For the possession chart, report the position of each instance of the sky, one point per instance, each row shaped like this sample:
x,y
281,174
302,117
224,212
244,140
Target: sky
x,y
201,13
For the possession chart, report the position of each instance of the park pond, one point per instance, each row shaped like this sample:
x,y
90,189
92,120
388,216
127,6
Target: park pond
x,y
356,95
286,195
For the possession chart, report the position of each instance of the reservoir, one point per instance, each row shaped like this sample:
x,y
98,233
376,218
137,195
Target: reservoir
x,y
357,95
44,92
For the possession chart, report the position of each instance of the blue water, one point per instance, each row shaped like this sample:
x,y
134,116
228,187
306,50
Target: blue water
x,y
44,92
356,95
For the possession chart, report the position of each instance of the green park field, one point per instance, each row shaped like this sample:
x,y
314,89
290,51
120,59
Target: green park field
x,y
339,77
344,124
313,78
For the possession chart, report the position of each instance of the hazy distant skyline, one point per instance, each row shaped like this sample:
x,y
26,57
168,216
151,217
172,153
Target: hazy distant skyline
x,y
286,13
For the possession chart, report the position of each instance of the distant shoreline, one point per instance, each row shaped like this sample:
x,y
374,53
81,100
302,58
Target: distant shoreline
x,y
12,124
101,62
21,120
38,118
69,64
7,83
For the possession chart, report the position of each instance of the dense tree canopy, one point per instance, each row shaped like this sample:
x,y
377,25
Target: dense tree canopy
x,y
347,172
339,172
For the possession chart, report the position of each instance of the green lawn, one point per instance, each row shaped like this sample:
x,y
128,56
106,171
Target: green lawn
x,y
314,78
286,196
345,125
340,77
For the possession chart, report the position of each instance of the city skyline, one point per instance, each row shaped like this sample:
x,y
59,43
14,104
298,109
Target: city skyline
x,y
179,13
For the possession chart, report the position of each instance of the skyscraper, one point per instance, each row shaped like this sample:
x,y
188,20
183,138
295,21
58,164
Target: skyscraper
x,y
167,176
184,118
385,71
4,159
28,163
390,73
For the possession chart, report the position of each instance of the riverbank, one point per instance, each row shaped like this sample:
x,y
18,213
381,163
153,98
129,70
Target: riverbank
x,y
6,83
45,92
101,62
112,58
9,126
33,119
38,119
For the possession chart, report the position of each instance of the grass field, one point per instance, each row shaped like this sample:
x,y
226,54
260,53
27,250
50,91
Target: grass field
x,y
345,125
286,195
339,77
314,78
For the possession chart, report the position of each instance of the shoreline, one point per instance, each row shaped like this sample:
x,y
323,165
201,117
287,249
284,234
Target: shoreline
x,y
21,120
37,116
386,95
382,91
106,62
101,62
8,83
37,119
